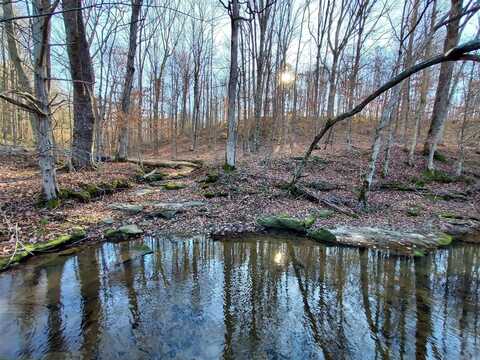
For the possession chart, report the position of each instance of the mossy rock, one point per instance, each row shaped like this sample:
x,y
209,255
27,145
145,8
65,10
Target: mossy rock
x,y
324,214
174,186
52,204
444,240
143,248
284,222
127,208
31,249
322,235
124,232
448,215
77,234
418,253
7,261
414,211
211,194
437,155
212,177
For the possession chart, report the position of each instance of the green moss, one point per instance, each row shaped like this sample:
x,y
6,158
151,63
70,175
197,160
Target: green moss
x,y
52,203
228,168
211,177
82,195
173,186
309,221
211,194
444,240
324,214
414,211
110,233
6,262
418,253
448,215
93,190
123,232
284,222
142,247
439,157
30,249
437,176
322,235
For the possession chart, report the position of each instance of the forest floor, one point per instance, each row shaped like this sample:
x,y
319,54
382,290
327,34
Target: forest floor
x,y
232,202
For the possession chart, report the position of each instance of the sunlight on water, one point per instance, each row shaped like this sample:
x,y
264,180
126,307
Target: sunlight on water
x,y
258,297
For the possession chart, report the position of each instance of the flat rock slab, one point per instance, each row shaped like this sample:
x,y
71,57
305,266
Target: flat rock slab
x,y
127,208
168,210
130,230
142,192
179,206
397,241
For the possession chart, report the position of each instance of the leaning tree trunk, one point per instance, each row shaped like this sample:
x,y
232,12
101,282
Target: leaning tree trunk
x,y
82,74
386,120
122,152
458,53
441,104
231,147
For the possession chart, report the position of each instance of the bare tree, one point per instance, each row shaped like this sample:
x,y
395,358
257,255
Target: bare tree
x,y
233,9
82,74
441,104
122,151
461,52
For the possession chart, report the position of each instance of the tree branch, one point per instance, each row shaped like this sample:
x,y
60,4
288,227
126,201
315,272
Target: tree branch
x,y
457,53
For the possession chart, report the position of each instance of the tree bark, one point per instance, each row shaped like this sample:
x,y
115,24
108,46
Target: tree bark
x,y
231,148
82,74
441,104
122,152
41,35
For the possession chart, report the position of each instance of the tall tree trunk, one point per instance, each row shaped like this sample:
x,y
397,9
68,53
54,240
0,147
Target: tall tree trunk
x,y
231,147
441,104
425,85
82,74
122,152
41,35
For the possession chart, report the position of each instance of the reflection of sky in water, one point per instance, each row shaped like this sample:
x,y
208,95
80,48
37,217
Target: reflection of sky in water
x,y
245,299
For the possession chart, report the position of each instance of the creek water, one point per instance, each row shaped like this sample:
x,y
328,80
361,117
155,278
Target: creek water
x,y
274,297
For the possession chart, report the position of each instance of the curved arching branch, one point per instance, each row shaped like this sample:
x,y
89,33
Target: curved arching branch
x,y
458,53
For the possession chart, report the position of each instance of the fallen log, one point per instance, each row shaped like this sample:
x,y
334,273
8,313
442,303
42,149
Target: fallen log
x,y
170,164
300,191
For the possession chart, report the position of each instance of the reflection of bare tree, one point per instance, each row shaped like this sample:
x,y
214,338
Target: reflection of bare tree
x,y
88,273
228,317
280,295
423,301
129,280
319,339
56,340
365,290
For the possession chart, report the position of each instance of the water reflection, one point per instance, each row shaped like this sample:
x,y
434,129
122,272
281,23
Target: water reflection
x,y
267,298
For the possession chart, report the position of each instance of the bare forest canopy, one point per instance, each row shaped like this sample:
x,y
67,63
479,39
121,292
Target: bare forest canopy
x,y
83,81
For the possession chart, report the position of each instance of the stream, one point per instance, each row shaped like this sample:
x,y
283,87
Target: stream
x,y
256,297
